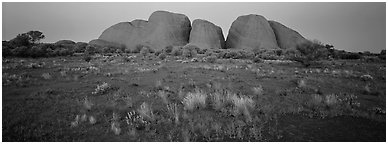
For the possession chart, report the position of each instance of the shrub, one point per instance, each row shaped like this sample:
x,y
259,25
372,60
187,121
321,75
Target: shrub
x,y
37,51
168,49
127,50
101,89
145,51
189,51
91,49
7,51
46,76
177,51
348,55
202,51
331,100
210,53
87,57
20,51
106,50
138,48
27,39
257,59
119,51
268,54
162,56
157,53
235,54
382,55
80,47
64,52
310,51
211,59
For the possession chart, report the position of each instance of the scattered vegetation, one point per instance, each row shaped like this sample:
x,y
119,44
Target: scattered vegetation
x,y
216,95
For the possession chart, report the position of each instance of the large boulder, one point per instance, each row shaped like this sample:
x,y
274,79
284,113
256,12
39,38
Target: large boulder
x,y
66,42
206,35
102,43
251,32
162,29
287,38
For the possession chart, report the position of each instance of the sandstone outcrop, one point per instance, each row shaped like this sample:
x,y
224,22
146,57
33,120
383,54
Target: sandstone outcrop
x,y
251,32
162,29
287,38
206,35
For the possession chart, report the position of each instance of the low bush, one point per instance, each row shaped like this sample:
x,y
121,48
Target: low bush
x,y
211,59
349,55
382,55
137,48
310,52
145,51
80,47
102,89
87,57
168,49
189,51
157,53
274,54
38,51
162,56
257,59
177,51
235,54
91,49
21,51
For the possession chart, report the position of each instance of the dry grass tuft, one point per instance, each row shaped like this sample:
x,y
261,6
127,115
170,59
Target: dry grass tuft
x,y
331,100
218,101
46,76
146,112
115,125
243,105
174,112
258,90
195,100
87,104
164,96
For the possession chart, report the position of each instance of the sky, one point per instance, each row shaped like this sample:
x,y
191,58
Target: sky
x,y
348,26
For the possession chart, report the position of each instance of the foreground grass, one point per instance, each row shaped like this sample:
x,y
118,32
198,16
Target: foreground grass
x,y
108,99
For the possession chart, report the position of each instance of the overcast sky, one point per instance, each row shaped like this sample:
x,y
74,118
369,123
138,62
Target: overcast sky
x,y
347,26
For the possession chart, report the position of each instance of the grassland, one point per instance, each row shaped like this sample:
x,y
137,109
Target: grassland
x,y
136,98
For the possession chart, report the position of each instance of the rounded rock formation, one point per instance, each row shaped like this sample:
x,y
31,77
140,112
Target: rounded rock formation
x,y
287,38
66,42
162,29
102,43
251,32
206,35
